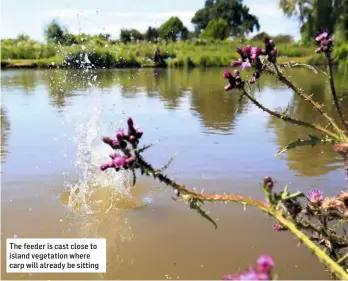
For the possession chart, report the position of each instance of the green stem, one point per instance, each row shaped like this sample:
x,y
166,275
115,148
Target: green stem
x,y
289,119
333,92
321,255
343,258
187,193
301,93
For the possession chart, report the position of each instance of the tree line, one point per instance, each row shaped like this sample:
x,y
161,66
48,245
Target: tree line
x,y
221,19
218,19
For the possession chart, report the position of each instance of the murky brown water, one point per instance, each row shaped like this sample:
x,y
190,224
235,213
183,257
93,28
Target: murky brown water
x,y
52,122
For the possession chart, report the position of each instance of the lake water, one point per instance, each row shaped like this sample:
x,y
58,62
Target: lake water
x,y
52,124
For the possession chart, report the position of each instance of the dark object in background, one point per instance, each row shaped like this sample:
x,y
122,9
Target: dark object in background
x,y
158,59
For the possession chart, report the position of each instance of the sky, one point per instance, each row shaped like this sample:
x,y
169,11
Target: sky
x,y
110,16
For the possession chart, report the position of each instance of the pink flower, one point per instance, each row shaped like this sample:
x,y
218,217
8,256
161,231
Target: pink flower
x,y
119,161
278,227
131,160
236,63
230,277
227,74
245,65
321,36
265,263
315,196
251,274
120,134
228,87
255,52
106,166
252,80
247,49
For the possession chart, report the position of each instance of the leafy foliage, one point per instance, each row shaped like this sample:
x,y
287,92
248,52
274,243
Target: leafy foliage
x,y
151,34
172,29
54,32
216,29
128,35
237,16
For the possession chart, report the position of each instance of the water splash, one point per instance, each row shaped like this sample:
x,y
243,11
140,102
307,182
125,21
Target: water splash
x,y
96,191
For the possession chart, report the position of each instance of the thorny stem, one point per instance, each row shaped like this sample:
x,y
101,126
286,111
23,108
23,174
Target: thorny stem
x,y
187,193
289,119
321,255
308,98
343,258
333,91
338,239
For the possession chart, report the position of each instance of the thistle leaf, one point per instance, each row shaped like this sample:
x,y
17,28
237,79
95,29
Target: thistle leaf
x,y
145,147
166,166
299,142
310,67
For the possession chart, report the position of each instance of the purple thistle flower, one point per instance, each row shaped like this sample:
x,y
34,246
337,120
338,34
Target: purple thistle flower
x,y
245,65
227,74
252,80
251,274
265,263
321,35
236,63
278,227
120,134
326,42
119,161
315,196
255,52
227,88
230,277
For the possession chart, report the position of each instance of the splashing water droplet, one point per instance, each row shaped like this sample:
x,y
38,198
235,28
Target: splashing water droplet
x,y
147,200
95,191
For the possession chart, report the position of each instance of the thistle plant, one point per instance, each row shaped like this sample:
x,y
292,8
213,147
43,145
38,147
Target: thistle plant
x,y
264,61
317,221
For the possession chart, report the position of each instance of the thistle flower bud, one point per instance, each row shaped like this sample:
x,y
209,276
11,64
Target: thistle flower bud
x,y
130,122
107,140
132,138
268,182
131,160
138,133
278,227
228,88
227,74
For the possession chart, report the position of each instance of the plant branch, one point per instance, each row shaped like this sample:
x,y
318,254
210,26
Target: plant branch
x,y
308,98
333,92
343,258
188,194
289,119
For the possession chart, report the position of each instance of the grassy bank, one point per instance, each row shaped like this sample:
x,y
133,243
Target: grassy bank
x,y
197,53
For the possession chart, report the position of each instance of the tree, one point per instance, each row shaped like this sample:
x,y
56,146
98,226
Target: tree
x,y
23,37
54,32
237,16
172,29
151,34
216,29
128,35
315,15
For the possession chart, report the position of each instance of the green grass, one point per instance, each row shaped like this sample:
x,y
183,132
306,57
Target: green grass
x,y
198,53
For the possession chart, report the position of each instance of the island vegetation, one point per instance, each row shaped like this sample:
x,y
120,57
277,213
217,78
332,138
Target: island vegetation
x,y
220,27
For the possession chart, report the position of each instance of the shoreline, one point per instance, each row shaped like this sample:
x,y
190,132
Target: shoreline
x,y
37,64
